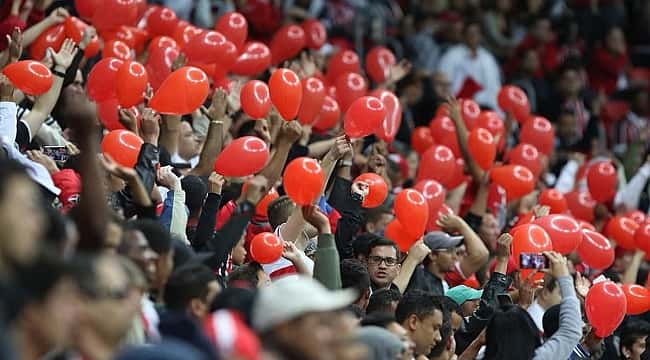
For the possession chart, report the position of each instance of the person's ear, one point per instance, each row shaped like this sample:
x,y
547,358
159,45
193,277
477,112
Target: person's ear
x,y
412,322
370,227
196,307
626,353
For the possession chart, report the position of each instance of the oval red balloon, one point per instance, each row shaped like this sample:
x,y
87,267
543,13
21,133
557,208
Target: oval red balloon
x,y
642,237
581,205
526,155
131,83
637,216
379,61
51,38
101,80
377,189
162,21
123,146
117,49
538,132
329,115
595,250
435,194
482,148
443,131
638,298
412,211
437,163
315,33
242,157
421,139
313,98
286,93
110,14
530,238
29,76
397,232
266,248
512,99
211,47
234,27
621,229
303,180
363,117
393,119
564,232
492,121
254,59
349,87
515,179
182,92
287,43
342,62
255,99
605,295
554,200
601,181
470,111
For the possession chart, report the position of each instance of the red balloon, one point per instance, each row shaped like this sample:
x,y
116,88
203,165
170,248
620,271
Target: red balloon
x,y
184,32
538,132
51,38
329,115
162,21
605,307
554,200
437,163
313,98
74,29
123,146
377,189
162,53
515,179
29,76
266,248
637,216
642,237
458,176
586,226
397,232
234,27
435,194
117,49
513,99
526,155
101,80
254,59
638,298
261,209
530,238
601,181
564,232
363,117
211,47
481,147
470,112
107,111
581,205
393,118
182,92
242,157
131,83
286,93
255,99
161,43
412,211
492,121
595,250
110,14
443,131
342,62
379,61
421,139
621,229
85,8
287,43
349,87
315,33
303,180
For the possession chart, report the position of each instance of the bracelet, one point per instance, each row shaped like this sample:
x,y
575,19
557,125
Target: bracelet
x,y
345,163
58,73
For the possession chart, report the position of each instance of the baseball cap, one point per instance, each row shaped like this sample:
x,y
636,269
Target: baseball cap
x,y
291,297
462,293
440,240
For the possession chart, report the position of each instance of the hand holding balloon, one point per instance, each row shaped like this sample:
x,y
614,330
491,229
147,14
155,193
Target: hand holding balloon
x,y
150,126
255,190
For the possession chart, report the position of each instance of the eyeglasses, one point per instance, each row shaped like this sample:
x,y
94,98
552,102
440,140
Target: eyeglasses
x,y
377,260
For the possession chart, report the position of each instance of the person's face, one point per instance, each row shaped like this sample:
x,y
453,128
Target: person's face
x,y
566,127
530,63
615,40
637,349
379,226
262,130
110,314
263,279
322,337
425,332
489,230
188,144
201,307
239,252
468,307
445,259
77,86
441,85
164,267
22,221
542,31
381,273
141,254
570,83
408,344
473,36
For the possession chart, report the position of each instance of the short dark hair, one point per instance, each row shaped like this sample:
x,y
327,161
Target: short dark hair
x,y
36,280
551,320
361,244
632,330
8,170
381,319
279,211
382,241
380,300
419,303
188,282
375,214
354,274
245,275
195,191
157,236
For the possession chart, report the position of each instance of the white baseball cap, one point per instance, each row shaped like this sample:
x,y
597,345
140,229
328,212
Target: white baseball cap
x,y
291,297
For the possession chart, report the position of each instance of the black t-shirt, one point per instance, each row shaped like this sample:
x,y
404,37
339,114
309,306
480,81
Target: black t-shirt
x,y
426,281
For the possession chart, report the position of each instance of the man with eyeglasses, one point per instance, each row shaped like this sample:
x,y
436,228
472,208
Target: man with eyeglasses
x,y
383,263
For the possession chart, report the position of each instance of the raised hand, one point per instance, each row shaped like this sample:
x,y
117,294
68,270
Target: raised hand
x,y
150,126
89,34
215,183
557,264
15,45
315,217
125,173
128,120
63,58
341,149
6,89
503,246
58,16
450,222
167,178
218,106
38,157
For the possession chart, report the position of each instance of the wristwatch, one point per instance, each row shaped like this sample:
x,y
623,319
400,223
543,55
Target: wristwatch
x,y
345,163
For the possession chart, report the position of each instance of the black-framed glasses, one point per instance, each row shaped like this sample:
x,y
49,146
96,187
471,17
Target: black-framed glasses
x,y
377,260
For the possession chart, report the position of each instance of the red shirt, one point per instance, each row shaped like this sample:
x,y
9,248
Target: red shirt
x,y
605,69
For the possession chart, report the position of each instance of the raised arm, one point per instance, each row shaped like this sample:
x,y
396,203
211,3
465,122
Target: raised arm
x,y
477,253
417,253
461,135
289,133
56,17
214,140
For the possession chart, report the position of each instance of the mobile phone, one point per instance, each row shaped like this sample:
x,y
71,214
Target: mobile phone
x,y
57,153
533,261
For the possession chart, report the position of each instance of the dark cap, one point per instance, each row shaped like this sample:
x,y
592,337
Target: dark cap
x,y
439,240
